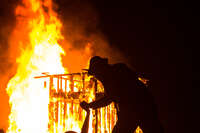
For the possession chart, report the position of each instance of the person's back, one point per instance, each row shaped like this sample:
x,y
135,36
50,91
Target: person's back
x,y
120,84
136,104
117,80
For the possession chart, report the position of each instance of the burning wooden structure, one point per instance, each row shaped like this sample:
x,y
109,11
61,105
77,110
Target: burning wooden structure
x,y
54,106
66,91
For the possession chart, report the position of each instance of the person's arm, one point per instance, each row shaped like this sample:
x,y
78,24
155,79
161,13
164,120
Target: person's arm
x,y
102,102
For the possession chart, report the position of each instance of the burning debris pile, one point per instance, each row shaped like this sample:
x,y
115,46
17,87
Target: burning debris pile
x,y
66,91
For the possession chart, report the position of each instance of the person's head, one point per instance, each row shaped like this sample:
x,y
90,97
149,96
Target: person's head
x,y
98,66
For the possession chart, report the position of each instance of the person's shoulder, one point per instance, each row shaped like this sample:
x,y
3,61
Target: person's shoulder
x,y
122,68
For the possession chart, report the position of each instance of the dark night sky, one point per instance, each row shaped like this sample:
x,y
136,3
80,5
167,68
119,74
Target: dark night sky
x,y
151,34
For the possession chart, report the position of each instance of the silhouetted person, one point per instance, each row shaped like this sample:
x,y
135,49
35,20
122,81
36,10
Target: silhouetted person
x,y
85,126
132,100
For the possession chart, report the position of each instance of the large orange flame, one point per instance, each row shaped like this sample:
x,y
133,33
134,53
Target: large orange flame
x,y
40,52
37,33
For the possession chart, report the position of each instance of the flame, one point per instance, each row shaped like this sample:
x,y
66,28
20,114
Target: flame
x,y
37,34
40,52
138,130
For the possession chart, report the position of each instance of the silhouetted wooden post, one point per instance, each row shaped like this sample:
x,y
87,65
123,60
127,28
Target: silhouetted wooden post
x,y
50,86
57,96
65,92
96,111
83,81
72,90
51,116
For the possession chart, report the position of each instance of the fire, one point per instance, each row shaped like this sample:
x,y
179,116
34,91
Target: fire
x,y
40,53
37,34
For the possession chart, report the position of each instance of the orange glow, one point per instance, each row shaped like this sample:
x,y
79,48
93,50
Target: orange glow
x,y
138,130
43,105
36,34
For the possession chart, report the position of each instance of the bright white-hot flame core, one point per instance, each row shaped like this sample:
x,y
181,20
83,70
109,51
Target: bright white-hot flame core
x,y
40,53
37,33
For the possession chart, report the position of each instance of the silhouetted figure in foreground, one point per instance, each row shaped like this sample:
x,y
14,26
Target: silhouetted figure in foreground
x,y
132,100
85,126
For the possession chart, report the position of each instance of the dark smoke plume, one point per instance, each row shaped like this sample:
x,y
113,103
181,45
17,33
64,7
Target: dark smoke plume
x,y
81,26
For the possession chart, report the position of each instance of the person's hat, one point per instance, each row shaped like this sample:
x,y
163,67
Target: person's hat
x,y
95,62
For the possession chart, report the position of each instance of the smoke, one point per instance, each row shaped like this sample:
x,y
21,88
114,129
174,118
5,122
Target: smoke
x,y
83,37
7,21
7,65
7,24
